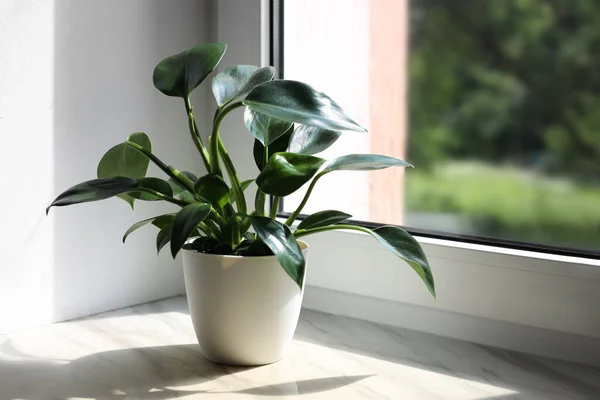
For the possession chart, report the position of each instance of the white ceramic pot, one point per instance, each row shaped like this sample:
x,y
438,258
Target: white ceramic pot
x,y
244,309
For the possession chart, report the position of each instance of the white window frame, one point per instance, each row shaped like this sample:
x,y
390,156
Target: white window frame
x,y
522,300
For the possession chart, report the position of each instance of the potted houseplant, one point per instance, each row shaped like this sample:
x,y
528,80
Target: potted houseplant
x,y
244,269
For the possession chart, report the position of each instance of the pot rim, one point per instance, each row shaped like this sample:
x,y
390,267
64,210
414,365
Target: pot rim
x,y
303,247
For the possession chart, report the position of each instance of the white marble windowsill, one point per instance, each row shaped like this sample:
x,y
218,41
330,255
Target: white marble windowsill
x,y
150,352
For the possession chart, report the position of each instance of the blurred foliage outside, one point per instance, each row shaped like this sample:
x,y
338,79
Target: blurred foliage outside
x,y
505,117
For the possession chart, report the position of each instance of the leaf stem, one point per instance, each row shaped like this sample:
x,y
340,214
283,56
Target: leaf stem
x,y
259,203
238,192
215,168
298,210
181,203
274,207
305,232
163,167
196,135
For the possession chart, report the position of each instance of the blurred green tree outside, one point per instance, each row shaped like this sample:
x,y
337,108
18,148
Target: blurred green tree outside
x,y
504,117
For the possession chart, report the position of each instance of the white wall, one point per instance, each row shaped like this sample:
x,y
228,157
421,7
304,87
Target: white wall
x,y
75,79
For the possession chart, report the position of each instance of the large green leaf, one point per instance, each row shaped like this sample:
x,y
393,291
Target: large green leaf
x,y
283,244
264,127
280,144
402,244
156,184
311,139
297,102
213,189
323,218
122,160
180,74
238,81
94,190
160,222
186,221
363,162
287,172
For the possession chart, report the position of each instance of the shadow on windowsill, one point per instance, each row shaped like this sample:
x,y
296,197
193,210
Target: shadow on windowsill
x,y
153,373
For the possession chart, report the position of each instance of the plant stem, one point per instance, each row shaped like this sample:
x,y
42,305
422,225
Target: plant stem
x,y
164,197
214,138
196,135
206,229
275,207
220,220
238,193
298,210
305,232
166,169
259,203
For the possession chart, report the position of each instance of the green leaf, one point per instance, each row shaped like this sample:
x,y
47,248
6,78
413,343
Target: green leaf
x,y
156,184
402,244
279,145
163,237
283,244
244,185
297,102
238,81
94,190
363,162
311,139
186,221
323,218
287,172
122,160
264,127
180,74
178,189
213,188
159,221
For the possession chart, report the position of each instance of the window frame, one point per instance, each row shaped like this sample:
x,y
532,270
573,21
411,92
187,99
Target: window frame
x,y
510,297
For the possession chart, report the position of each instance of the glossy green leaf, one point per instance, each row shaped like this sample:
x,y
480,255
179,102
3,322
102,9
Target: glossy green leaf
x,y
159,221
402,244
122,160
180,74
163,237
94,190
287,172
264,127
283,244
238,81
279,145
178,189
186,221
156,184
297,102
363,162
311,139
323,218
213,189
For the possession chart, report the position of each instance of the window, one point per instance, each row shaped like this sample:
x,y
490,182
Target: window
x,y
495,103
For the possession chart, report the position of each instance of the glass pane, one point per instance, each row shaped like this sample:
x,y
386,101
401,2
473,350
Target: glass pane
x,y
496,103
